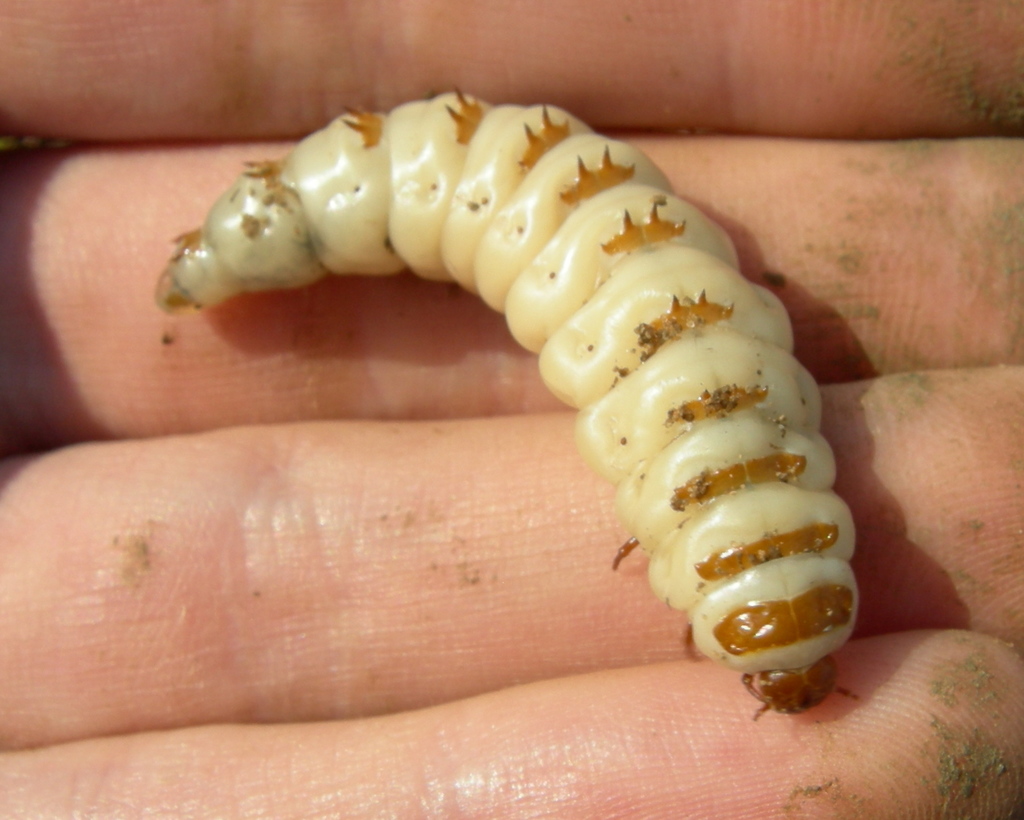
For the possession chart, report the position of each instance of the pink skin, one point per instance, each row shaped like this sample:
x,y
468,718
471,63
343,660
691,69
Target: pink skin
x,y
240,569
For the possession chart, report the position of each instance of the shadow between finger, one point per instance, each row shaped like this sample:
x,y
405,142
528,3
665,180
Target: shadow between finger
x,y
397,318
824,341
902,587
39,402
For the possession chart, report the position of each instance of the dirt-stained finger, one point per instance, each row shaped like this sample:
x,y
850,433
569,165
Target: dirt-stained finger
x,y
315,571
937,730
215,70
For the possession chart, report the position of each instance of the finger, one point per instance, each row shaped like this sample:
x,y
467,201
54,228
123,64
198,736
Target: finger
x,y
321,571
889,257
301,573
827,69
937,731
931,466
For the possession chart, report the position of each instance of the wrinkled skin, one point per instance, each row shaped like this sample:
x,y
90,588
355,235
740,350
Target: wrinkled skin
x,y
332,552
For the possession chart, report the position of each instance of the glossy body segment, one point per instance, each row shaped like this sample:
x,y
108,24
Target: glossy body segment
x,y
681,564
814,538
495,165
589,349
345,189
773,618
426,167
572,268
631,422
531,216
761,625
645,496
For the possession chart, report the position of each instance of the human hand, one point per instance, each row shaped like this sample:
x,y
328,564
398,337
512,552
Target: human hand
x,y
332,552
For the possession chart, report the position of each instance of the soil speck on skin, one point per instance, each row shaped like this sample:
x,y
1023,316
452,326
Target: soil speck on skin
x,y
861,311
1001,104
842,803
850,260
469,576
965,764
1004,250
903,395
136,557
970,677
931,50
1006,228
813,791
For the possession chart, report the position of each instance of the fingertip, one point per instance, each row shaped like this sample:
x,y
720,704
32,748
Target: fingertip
x,y
938,719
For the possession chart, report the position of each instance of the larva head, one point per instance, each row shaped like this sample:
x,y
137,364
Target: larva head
x,y
255,238
791,691
188,267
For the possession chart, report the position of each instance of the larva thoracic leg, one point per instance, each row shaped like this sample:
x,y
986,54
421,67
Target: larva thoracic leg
x,y
690,398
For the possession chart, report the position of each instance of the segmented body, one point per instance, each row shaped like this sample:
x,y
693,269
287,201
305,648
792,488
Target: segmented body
x,y
690,399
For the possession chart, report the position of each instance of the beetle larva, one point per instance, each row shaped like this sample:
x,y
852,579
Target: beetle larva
x,y
690,399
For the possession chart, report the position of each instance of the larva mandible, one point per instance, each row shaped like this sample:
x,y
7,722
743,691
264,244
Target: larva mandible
x,y
690,399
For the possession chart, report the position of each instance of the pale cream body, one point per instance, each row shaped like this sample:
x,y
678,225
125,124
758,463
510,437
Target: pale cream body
x,y
472,213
